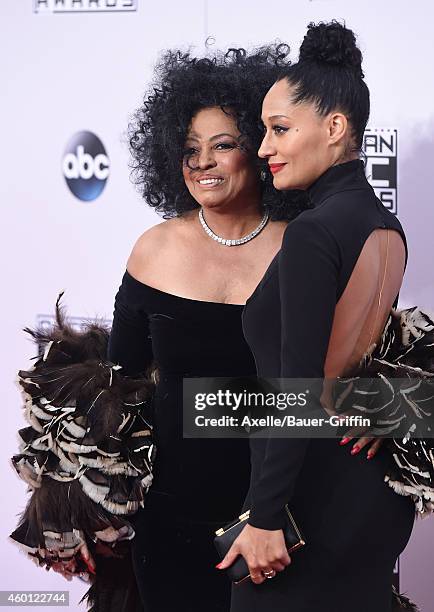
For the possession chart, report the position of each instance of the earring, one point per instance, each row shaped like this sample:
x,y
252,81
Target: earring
x,y
263,175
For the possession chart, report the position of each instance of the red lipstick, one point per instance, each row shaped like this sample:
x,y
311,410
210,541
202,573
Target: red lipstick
x,y
274,168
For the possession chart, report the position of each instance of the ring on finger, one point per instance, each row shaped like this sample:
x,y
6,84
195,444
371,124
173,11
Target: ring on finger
x,y
269,574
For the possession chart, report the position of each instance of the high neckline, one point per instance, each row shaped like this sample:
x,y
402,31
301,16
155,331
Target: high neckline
x,y
342,177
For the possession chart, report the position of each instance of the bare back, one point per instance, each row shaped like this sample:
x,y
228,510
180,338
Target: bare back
x,y
364,306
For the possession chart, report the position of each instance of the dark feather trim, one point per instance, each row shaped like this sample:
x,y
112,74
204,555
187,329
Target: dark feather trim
x,y
114,588
399,378
401,602
87,454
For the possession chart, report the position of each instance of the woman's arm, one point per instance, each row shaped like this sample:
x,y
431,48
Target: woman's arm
x,y
308,273
130,343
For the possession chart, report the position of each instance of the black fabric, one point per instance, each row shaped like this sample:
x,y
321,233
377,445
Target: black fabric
x,y
199,485
354,525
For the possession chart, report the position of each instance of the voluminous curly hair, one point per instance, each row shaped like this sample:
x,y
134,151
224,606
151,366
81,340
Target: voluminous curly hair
x,y
236,81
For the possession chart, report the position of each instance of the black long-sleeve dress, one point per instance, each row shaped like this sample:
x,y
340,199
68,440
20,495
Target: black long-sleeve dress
x,y
199,485
355,526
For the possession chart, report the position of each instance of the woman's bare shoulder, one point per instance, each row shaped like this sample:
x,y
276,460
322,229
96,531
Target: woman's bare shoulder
x,y
155,241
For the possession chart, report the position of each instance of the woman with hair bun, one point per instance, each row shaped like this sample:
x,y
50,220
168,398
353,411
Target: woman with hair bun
x,y
327,295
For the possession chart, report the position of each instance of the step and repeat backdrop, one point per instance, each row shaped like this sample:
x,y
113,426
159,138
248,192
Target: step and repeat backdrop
x,y
73,72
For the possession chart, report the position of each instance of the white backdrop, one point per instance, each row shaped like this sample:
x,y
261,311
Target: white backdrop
x,y
64,73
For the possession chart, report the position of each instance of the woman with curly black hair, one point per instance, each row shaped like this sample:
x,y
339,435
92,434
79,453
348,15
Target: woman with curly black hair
x,y
323,318
194,145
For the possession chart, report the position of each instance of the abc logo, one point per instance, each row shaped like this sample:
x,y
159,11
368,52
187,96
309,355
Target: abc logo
x,y
86,166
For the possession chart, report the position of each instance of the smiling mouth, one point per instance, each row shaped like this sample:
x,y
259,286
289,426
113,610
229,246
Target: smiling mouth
x,y
210,182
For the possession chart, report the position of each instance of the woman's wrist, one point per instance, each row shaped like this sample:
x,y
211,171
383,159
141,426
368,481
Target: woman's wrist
x,y
267,519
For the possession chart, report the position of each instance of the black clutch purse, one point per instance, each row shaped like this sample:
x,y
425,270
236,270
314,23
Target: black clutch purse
x,y
225,536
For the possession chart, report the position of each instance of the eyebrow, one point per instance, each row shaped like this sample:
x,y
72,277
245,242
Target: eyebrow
x,y
278,117
194,137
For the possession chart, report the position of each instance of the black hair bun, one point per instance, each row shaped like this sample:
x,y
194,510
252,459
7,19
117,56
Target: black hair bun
x,y
331,43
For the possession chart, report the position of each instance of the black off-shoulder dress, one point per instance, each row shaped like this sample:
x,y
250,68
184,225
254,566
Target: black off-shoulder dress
x,y
354,524
199,485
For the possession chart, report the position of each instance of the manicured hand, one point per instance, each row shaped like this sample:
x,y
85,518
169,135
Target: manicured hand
x,y
360,443
263,550
69,568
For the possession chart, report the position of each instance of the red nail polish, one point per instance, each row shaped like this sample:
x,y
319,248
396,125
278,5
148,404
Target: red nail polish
x,y
89,566
218,565
344,441
355,450
370,455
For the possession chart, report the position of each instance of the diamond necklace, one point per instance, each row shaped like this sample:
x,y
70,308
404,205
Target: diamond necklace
x,y
234,241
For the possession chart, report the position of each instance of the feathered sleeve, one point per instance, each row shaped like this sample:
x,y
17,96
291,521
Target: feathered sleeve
x,y
87,452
